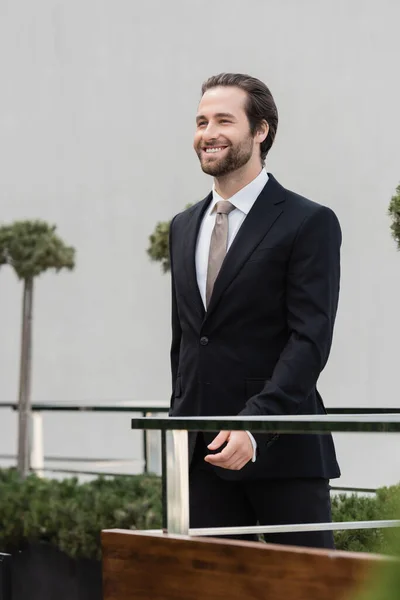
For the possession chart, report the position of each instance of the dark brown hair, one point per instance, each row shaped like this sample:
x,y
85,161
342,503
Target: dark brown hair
x,y
260,103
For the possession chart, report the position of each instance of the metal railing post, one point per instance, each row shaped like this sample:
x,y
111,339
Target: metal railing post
x,y
151,450
177,473
37,447
145,448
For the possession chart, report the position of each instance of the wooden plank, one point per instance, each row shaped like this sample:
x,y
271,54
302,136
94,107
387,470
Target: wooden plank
x,y
156,566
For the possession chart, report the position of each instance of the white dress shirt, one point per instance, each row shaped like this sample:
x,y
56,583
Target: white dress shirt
x,y
243,202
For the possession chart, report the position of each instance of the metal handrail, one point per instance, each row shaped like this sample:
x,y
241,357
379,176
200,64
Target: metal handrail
x,y
151,406
175,453
300,527
109,406
388,423
144,407
37,408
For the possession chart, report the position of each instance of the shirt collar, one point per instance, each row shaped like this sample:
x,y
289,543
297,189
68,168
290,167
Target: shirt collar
x,y
244,198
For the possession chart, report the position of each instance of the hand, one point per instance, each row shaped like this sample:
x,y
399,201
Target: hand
x,y
235,455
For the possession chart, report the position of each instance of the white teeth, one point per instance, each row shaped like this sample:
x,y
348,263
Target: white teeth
x,y
213,149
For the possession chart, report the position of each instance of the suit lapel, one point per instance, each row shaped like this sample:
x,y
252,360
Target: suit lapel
x,y
189,254
266,209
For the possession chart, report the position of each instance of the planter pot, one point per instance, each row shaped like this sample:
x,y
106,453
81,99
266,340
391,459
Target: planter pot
x,y
42,572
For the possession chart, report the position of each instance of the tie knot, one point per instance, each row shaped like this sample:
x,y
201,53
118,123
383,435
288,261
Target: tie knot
x,y
224,207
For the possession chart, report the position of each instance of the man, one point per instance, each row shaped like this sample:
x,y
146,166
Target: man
x,y
255,284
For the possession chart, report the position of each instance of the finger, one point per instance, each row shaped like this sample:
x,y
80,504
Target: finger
x,y
238,465
221,438
236,461
226,454
232,465
221,459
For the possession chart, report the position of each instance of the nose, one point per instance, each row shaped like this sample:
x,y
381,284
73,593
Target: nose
x,y
210,133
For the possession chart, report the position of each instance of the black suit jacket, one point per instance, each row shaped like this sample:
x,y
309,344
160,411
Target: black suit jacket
x,y
266,336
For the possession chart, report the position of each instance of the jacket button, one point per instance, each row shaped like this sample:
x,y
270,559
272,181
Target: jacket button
x,y
204,341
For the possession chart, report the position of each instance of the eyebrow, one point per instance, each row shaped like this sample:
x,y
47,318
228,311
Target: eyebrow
x,y
218,115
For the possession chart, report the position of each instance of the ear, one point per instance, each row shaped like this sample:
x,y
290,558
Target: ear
x,y
262,132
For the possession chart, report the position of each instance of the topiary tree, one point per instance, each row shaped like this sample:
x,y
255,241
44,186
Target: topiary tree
x,y
30,248
158,249
159,245
394,213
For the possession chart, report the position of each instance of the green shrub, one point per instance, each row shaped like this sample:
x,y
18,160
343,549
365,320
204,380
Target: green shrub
x,y
383,583
353,507
71,515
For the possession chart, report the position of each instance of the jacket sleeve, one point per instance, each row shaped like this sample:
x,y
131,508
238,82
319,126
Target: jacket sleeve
x,y
176,327
312,294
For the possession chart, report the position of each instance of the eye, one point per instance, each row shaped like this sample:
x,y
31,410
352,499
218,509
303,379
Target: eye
x,y
201,123
225,121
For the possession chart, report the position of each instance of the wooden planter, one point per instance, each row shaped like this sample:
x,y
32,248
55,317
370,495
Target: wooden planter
x,y
156,566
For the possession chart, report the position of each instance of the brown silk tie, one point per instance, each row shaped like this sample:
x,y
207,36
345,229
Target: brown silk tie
x,y
218,244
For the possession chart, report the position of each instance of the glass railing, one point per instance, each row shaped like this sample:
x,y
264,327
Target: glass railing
x,y
175,459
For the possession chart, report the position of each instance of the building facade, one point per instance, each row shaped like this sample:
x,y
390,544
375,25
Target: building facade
x,y
96,121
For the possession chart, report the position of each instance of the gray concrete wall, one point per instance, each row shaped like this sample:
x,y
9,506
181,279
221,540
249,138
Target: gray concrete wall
x,y
97,110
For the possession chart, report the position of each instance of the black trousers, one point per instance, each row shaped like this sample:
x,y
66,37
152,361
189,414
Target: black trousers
x,y
215,502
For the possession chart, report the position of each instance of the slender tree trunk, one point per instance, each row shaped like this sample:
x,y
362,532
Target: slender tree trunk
x,y
24,404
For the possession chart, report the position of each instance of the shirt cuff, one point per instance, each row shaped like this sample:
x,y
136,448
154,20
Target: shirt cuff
x,y
254,444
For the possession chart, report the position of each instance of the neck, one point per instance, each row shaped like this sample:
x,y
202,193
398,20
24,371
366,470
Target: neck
x,y
230,184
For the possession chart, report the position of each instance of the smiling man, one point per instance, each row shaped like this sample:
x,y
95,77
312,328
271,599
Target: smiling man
x,y
255,285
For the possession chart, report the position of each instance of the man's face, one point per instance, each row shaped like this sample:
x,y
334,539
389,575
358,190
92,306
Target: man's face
x,y
223,141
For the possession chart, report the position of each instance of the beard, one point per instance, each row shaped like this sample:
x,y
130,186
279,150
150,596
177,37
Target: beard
x,y
234,158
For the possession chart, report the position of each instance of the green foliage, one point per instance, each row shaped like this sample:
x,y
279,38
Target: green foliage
x,y
71,515
394,213
158,249
32,247
159,245
384,581
382,506
384,584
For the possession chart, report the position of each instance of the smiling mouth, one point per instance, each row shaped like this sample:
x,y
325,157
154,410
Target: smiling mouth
x,y
214,150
